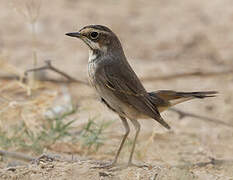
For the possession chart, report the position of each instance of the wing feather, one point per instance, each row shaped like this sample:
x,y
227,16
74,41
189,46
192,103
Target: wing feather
x,y
126,86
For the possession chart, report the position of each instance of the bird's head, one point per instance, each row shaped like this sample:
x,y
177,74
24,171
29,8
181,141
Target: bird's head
x,y
98,37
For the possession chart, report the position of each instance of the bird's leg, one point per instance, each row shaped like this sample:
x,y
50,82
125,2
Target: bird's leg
x,y
127,130
137,127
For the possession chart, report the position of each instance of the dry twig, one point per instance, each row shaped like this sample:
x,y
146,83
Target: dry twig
x,y
23,157
16,155
49,66
183,114
213,161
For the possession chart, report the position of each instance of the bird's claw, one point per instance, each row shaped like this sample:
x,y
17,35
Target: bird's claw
x,y
105,165
130,164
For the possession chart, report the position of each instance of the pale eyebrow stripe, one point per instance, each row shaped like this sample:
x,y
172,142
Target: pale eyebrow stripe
x,y
87,30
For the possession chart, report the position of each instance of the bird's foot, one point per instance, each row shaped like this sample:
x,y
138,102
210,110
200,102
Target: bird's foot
x,y
112,166
130,164
105,165
125,166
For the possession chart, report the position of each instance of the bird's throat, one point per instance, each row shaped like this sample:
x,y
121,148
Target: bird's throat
x,y
93,55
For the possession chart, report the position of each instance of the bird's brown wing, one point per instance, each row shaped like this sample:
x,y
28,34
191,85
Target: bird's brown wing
x,y
125,85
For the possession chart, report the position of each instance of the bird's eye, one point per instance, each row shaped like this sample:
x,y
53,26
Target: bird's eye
x,y
94,35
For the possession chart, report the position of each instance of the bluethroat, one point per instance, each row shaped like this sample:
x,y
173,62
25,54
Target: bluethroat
x,y
119,87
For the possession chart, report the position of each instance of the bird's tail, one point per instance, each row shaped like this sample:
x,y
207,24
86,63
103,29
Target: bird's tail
x,y
171,98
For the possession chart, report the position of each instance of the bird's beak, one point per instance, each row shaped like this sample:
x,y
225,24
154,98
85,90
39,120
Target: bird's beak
x,y
74,34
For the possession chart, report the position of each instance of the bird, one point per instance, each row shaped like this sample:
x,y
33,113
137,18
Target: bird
x,y
119,87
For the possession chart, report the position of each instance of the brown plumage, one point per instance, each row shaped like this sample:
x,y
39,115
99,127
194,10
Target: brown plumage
x,y
120,88
164,99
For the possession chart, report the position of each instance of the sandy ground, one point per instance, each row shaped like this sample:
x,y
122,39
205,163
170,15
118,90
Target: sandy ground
x,y
159,38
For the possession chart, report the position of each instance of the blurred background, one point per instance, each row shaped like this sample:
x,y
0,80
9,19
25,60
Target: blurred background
x,y
173,44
